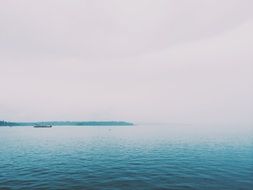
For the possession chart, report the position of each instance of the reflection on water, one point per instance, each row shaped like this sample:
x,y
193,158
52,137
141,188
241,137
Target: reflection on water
x,y
134,157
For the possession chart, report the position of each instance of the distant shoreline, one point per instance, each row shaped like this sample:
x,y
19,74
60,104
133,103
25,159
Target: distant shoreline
x,y
67,123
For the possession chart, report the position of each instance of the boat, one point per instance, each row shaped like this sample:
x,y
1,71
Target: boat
x,y
42,126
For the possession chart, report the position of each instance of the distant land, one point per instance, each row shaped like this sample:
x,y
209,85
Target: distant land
x,y
67,123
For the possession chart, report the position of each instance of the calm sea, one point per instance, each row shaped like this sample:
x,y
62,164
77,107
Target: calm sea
x,y
134,157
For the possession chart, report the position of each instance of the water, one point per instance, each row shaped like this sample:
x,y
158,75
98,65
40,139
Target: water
x,y
134,157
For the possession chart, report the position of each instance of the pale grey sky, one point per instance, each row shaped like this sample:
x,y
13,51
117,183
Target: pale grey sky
x,y
187,61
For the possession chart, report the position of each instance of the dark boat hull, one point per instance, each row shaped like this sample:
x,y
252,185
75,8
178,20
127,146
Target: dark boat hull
x,y
42,126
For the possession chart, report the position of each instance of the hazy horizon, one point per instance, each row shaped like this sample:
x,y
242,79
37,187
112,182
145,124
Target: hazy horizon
x,y
139,61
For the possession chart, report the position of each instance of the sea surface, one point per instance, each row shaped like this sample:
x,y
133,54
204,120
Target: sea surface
x,y
130,157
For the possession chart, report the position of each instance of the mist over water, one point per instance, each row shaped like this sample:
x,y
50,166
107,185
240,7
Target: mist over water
x,y
132,60
173,61
129,157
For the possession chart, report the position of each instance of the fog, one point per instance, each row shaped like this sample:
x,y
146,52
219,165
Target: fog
x,y
166,61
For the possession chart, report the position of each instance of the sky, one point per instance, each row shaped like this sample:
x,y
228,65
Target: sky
x,y
173,61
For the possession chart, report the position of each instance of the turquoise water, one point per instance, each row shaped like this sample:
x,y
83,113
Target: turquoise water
x,y
135,157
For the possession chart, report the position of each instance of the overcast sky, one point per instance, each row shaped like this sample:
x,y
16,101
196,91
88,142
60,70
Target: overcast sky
x,y
186,61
